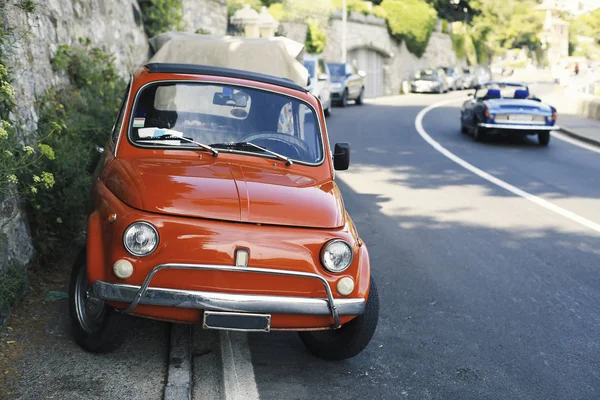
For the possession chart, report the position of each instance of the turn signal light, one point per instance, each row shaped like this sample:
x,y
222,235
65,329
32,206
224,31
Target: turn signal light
x,y
487,112
554,116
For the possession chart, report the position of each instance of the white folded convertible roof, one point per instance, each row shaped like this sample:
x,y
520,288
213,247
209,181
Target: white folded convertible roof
x,y
279,57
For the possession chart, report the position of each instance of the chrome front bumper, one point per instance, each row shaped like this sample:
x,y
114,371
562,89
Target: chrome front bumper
x,y
518,127
215,301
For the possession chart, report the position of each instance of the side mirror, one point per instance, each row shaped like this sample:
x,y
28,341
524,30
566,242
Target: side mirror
x,y
341,156
323,77
100,149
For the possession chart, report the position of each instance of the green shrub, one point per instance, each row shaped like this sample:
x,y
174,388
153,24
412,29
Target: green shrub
x,y
160,16
380,12
234,5
412,21
315,38
75,119
13,284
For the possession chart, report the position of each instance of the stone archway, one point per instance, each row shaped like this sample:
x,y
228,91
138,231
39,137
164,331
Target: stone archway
x,y
370,60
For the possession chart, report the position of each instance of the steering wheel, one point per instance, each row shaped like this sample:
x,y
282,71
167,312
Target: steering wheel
x,y
300,147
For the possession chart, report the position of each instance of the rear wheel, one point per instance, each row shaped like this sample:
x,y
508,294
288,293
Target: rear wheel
x,y
361,96
327,111
344,99
478,133
351,338
544,138
95,326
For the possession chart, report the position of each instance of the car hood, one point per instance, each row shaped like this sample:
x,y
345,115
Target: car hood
x,y
224,191
517,106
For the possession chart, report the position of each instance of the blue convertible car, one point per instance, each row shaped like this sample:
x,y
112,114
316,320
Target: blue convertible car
x,y
502,108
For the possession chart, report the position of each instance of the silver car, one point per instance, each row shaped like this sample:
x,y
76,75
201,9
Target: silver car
x,y
429,81
347,83
319,80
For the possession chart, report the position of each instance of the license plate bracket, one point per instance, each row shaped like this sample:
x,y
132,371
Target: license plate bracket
x,y
232,321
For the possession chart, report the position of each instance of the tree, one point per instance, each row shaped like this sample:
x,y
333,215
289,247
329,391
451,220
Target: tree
x,y
412,21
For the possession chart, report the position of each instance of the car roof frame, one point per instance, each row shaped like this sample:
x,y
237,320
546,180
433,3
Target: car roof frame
x,y
194,69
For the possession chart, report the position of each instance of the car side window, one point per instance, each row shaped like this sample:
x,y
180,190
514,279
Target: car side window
x,y
117,127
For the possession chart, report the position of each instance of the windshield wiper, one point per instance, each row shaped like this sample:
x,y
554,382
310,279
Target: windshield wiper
x,y
185,139
281,157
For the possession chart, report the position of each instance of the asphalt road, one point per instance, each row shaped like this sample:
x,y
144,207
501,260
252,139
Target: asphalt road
x,y
485,294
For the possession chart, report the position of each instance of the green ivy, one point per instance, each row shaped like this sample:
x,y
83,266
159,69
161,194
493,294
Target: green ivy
x,y
315,38
411,21
76,119
160,16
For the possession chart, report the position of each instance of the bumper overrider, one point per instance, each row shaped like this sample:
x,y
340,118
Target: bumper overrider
x,y
241,303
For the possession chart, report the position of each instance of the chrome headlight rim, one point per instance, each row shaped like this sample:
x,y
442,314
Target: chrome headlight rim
x,y
152,227
324,249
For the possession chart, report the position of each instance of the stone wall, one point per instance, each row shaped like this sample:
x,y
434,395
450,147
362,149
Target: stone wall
x,y
205,16
293,30
113,25
398,63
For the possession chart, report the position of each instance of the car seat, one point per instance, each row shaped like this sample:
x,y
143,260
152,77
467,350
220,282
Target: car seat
x,y
492,94
521,94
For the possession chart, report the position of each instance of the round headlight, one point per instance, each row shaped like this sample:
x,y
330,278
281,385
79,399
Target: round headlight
x,y
336,255
140,238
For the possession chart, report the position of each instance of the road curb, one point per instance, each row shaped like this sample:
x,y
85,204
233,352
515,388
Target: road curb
x,y
179,379
577,136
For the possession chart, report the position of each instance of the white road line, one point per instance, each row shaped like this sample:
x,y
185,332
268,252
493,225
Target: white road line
x,y
576,142
490,178
238,374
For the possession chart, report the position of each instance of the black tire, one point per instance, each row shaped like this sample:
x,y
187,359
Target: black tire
x,y
102,332
344,99
463,128
478,133
351,338
361,96
327,111
544,138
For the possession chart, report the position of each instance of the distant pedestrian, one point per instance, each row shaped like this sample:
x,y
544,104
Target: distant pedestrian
x,y
576,69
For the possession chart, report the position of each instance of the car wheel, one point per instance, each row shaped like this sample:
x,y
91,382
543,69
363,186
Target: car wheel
x,y
361,97
344,100
544,138
478,133
351,338
95,326
327,111
463,128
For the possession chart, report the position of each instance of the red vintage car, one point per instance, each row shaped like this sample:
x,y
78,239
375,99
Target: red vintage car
x,y
215,203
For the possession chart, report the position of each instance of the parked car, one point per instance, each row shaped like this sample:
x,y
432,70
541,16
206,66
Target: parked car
x,y
320,80
215,203
454,77
469,80
429,81
508,109
482,75
347,83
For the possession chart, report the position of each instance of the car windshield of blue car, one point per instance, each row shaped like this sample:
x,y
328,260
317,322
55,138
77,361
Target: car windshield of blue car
x,y
500,91
337,70
226,118
310,66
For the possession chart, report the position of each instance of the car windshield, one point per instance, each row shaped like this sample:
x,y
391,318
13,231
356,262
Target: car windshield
x,y
449,71
337,70
226,118
500,91
427,75
310,66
